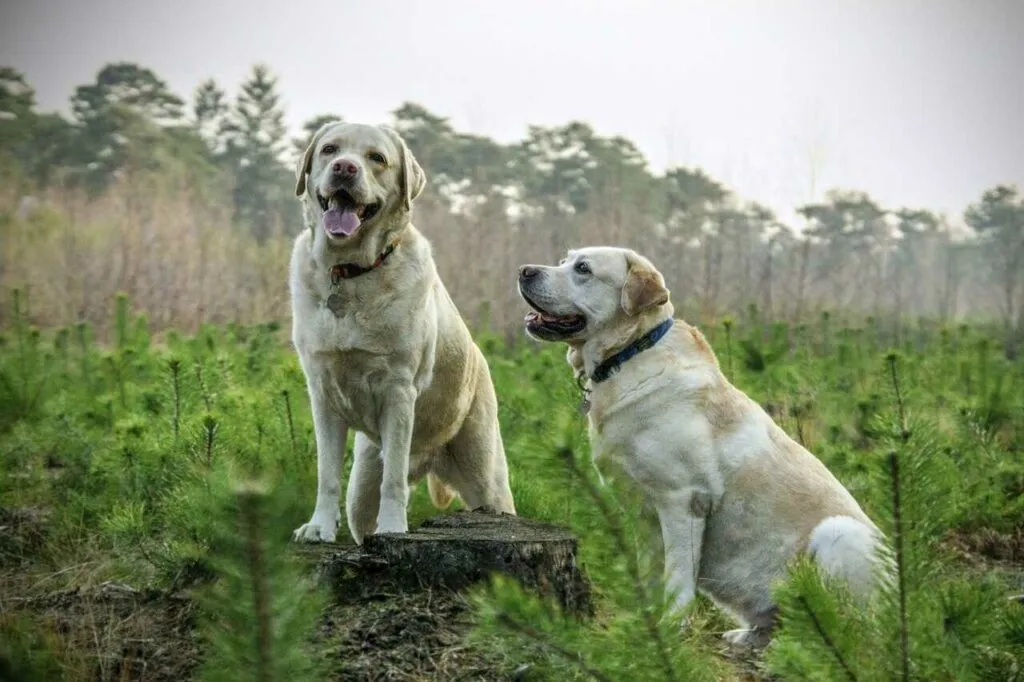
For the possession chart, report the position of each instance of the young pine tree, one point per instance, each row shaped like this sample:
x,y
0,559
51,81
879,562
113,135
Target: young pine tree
x,y
259,614
929,621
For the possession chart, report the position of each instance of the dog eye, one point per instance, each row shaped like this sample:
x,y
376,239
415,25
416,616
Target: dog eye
x,y
582,268
377,158
329,149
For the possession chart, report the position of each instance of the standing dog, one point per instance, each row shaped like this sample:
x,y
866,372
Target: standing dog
x,y
383,348
736,497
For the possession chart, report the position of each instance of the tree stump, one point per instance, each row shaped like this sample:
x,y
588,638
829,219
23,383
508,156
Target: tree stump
x,y
455,550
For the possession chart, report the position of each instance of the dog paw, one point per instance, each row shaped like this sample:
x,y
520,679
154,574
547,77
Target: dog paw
x,y
756,638
391,518
319,529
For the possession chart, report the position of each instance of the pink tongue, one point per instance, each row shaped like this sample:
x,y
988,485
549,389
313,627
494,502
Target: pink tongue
x,y
341,222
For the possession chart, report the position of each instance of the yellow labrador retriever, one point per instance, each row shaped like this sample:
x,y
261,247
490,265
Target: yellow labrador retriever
x,y
383,348
735,496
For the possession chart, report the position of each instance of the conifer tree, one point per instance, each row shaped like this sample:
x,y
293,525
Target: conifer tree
x,y
259,614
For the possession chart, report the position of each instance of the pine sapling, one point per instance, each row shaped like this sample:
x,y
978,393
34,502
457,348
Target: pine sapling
x,y
60,344
289,420
727,325
249,506
209,434
901,586
897,518
829,644
259,615
203,389
82,333
540,639
174,365
643,600
121,312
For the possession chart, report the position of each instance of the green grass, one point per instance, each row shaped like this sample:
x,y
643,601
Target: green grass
x,y
135,449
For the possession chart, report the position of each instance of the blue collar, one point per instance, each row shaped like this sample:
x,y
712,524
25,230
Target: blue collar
x,y
610,366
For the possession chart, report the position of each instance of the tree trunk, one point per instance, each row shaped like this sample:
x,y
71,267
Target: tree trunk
x,y
950,290
805,253
456,550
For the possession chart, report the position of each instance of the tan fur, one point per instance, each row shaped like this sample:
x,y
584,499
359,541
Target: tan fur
x,y
643,289
796,484
736,497
702,346
723,409
391,358
440,495
411,188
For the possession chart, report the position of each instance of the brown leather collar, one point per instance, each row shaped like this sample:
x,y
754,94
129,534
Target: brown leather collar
x,y
349,270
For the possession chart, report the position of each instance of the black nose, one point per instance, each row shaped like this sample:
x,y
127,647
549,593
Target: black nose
x,y
345,168
528,272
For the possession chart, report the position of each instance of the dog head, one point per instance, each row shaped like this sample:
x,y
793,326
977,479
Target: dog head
x,y
354,177
601,291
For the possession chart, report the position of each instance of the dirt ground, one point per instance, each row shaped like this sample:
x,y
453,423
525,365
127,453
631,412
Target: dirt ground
x,y
376,629
114,632
378,626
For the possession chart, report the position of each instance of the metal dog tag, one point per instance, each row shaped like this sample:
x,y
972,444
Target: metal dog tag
x,y
581,381
335,304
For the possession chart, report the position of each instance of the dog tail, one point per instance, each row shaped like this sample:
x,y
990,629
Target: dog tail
x,y
440,494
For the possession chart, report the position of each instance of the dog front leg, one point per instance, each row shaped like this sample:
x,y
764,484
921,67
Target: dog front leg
x,y
331,434
683,517
396,437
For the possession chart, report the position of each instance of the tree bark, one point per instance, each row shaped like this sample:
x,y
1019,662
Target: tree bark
x,y
456,550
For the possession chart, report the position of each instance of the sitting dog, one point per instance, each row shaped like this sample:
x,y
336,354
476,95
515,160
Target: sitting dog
x,y
383,348
737,499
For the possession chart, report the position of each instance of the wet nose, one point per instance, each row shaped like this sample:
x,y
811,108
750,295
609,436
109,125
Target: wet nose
x,y
345,168
528,272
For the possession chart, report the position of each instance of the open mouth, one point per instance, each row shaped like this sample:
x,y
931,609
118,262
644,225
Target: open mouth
x,y
343,215
545,325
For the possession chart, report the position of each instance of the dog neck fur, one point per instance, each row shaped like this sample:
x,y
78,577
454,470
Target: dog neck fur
x,y
585,356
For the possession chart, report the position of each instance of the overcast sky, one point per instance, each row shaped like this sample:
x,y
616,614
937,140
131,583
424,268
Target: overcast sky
x,y
920,103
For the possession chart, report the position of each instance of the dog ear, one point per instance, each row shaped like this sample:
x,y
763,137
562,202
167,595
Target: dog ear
x,y
644,287
413,179
305,162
